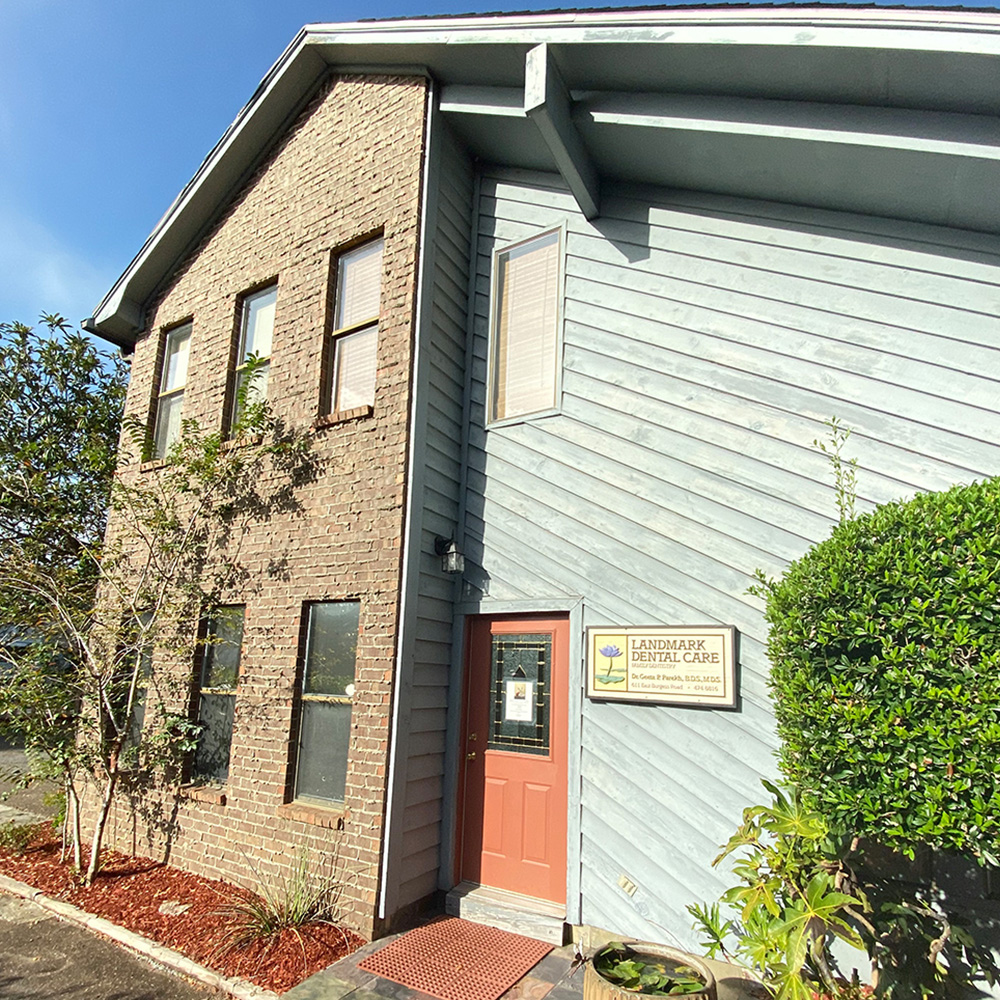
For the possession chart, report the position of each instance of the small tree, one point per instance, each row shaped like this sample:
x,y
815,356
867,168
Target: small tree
x,y
61,401
171,554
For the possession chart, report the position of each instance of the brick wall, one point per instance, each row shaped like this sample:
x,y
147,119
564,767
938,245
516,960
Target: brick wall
x,y
348,168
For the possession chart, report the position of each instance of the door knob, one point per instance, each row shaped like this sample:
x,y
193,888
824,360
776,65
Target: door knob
x,y
470,756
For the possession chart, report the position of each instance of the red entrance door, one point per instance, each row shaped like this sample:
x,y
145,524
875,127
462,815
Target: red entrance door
x,y
513,831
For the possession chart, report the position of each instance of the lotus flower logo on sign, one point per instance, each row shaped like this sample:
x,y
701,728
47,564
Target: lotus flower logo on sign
x,y
682,665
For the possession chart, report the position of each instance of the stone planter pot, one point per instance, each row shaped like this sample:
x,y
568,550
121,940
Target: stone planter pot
x,y
595,987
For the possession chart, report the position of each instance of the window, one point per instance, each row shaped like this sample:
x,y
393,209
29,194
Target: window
x,y
256,331
325,705
524,328
220,668
355,333
170,400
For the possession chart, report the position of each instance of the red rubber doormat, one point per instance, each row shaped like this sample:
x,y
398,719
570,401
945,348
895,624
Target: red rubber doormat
x,y
454,960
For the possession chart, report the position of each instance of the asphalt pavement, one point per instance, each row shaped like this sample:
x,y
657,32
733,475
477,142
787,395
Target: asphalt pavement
x,y
45,958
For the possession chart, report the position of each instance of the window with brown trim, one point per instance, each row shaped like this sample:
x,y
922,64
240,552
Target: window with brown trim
x,y
219,671
357,303
327,693
170,398
256,333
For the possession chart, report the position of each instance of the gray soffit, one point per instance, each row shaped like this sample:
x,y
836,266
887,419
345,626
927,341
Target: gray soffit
x,y
886,112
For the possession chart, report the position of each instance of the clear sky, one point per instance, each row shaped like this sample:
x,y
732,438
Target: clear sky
x,y
107,107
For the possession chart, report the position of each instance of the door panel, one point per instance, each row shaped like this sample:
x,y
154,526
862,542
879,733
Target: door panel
x,y
513,827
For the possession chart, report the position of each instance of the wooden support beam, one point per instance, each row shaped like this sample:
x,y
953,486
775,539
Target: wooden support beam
x,y
548,104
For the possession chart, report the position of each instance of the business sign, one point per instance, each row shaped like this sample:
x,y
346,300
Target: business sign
x,y
682,665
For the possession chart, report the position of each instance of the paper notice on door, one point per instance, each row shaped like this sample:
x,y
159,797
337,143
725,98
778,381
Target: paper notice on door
x,y
519,704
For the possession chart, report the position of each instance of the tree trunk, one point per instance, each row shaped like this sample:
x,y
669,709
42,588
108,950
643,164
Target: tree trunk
x,y
102,819
73,809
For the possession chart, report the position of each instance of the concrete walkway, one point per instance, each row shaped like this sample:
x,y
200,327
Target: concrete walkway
x,y
554,978
22,806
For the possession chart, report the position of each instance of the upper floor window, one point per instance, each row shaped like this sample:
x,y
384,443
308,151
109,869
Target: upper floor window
x,y
355,333
524,328
170,399
256,332
216,695
325,702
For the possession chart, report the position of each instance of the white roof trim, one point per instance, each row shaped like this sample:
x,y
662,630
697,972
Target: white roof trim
x,y
320,47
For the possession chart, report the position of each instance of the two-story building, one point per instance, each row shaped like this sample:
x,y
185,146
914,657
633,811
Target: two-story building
x,y
564,300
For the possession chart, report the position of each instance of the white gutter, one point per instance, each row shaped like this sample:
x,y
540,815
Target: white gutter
x,y
897,28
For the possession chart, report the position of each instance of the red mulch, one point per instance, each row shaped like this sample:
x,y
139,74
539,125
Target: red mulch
x,y
130,890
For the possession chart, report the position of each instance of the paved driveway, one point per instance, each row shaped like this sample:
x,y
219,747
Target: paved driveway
x,y
44,958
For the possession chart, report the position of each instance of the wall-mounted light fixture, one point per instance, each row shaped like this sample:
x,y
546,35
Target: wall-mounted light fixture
x,y
452,560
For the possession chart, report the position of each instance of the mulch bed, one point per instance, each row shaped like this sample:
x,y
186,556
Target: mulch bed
x,y
129,892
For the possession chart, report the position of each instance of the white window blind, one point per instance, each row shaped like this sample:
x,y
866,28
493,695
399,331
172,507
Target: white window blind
x,y
355,367
526,328
256,336
359,285
175,358
170,402
358,303
258,323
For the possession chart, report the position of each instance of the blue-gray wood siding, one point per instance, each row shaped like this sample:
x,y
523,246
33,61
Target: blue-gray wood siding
x,y
435,480
706,341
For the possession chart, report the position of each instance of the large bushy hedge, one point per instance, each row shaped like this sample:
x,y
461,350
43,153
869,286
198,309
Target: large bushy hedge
x,y
885,651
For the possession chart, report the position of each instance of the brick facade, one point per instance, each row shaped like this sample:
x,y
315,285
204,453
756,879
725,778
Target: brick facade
x,y
348,169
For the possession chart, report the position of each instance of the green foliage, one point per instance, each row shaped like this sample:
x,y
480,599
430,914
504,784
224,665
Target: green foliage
x,y
88,612
61,401
801,886
885,657
309,893
789,906
845,476
643,974
920,947
15,838
57,801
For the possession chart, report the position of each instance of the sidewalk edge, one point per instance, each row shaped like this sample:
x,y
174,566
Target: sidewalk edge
x,y
158,953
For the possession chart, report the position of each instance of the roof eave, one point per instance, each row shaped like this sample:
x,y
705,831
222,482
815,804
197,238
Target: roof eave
x,y
434,42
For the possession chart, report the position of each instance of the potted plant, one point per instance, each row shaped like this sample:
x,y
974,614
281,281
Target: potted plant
x,y
620,970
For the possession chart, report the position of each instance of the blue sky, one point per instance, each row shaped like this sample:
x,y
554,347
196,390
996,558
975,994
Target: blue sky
x,y
107,107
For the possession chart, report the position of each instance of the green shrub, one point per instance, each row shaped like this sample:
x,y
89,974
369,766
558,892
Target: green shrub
x,y
885,652
789,906
15,837
309,893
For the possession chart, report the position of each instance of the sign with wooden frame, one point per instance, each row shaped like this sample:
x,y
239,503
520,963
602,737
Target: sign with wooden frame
x,y
670,665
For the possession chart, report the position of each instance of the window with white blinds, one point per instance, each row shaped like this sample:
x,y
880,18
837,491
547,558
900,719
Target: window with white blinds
x,y
355,334
256,334
524,328
173,378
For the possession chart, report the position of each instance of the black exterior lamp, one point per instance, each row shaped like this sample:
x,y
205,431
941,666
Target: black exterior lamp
x,y
452,560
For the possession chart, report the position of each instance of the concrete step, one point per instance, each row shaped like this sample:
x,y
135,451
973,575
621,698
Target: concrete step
x,y
508,911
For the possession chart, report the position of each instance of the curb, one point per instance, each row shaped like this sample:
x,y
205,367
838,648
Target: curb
x,y
158,953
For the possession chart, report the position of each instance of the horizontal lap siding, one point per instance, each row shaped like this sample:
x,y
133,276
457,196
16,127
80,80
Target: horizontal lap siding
x,y
706,342
439,479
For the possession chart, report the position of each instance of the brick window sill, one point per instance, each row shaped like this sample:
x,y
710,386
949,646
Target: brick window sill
x,y
212,794
153,464
230,444
342,416
331,817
